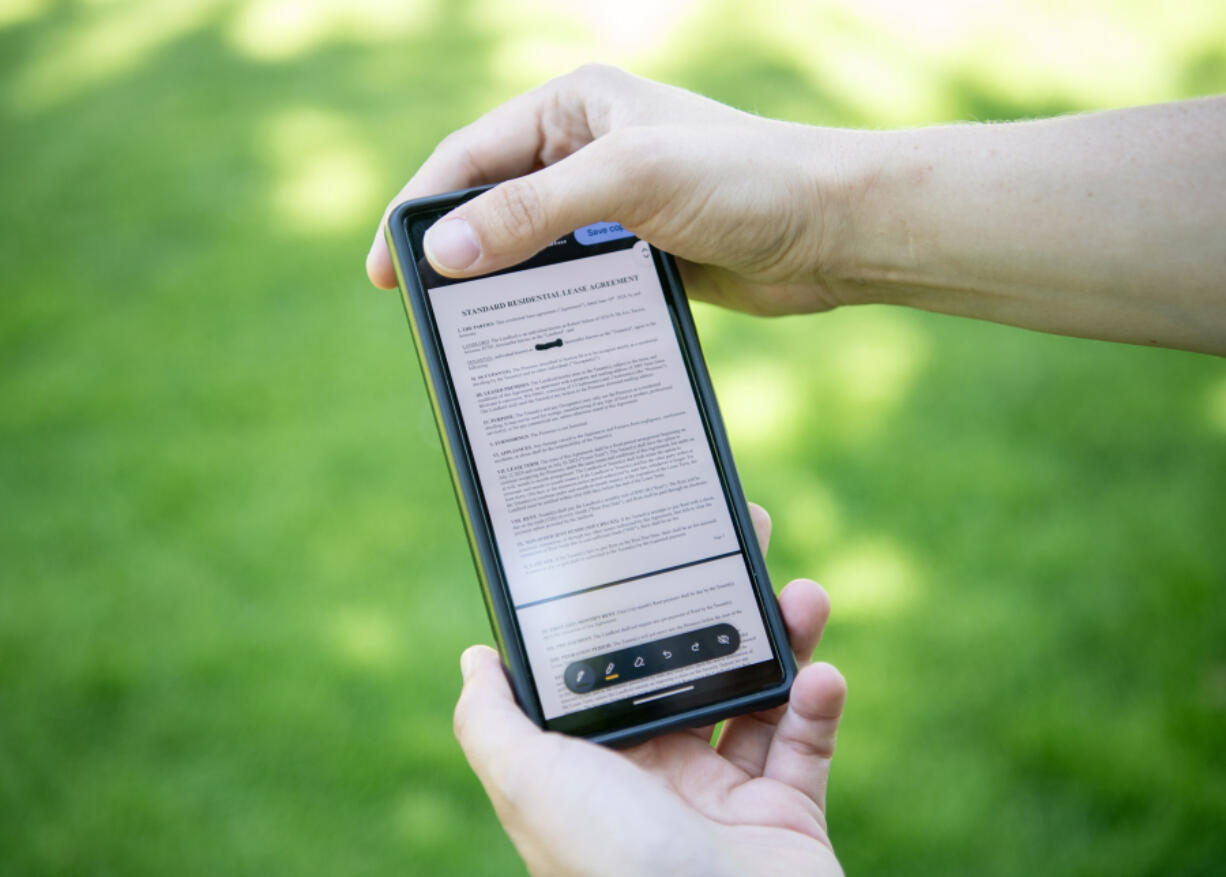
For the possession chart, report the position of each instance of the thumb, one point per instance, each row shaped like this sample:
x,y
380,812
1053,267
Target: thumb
x,y
489,724
519,218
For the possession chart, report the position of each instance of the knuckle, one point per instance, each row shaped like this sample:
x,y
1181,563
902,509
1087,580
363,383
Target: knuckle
x,y
453,142
457,146
450,140
597,72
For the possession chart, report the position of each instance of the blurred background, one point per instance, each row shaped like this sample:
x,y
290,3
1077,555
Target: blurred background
x,y
233,583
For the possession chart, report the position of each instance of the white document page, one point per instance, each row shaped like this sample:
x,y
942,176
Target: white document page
x,y
599,479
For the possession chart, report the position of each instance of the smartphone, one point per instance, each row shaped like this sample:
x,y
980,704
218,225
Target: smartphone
x,y
622,576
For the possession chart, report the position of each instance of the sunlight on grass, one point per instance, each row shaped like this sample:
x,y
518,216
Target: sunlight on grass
x,y
523,61
871,365
279,30
1095,54
883,72
326,181
541,39
1215,405
758,402
947,24
364,637
811,515
427,818
871,578
105,44
1035,54
329,191
885,84
20,11
1098,55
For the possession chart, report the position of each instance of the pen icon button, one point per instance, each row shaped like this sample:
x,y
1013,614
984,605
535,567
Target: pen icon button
x,y
579,677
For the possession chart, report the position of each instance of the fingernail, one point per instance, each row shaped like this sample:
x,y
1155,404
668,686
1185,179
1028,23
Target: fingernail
x,y
451,244
466,664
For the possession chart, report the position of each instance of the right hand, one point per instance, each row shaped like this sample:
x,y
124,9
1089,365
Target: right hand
x,y
738,199
755,803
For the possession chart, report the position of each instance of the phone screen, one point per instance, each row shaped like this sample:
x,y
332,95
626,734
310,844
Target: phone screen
x,y
628,577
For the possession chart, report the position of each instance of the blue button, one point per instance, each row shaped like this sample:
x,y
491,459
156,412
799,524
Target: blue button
x,y
599,232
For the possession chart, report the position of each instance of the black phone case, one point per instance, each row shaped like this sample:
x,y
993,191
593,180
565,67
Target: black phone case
x,y
480,533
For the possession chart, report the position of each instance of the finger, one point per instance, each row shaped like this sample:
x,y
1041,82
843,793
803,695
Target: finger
x,y
703,732
536,128
761,525
505,142
805,607
489,724
605,180
803,743
747,739
678,756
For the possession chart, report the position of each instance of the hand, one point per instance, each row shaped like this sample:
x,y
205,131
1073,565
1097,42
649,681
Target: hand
x,y
740,200
753,804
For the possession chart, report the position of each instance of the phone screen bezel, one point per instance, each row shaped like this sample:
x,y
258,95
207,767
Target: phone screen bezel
x,y
740,690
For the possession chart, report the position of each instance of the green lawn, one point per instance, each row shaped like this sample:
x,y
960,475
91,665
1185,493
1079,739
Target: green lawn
x,y
233,584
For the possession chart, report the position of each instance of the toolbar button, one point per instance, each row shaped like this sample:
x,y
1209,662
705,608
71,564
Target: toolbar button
x,y
579,677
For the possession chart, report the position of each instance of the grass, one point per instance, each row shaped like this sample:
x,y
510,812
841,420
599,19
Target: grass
x,y
234,585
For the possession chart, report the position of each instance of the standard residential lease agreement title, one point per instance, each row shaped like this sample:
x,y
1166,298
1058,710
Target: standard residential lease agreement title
x,y
546,296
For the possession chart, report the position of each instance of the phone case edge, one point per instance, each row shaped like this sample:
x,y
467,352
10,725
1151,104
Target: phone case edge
x,y
481,543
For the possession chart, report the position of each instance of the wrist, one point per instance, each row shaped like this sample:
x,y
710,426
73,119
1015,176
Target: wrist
x,y
863,182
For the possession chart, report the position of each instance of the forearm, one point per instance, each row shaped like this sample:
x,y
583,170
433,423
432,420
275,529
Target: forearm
x,y
1110,225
